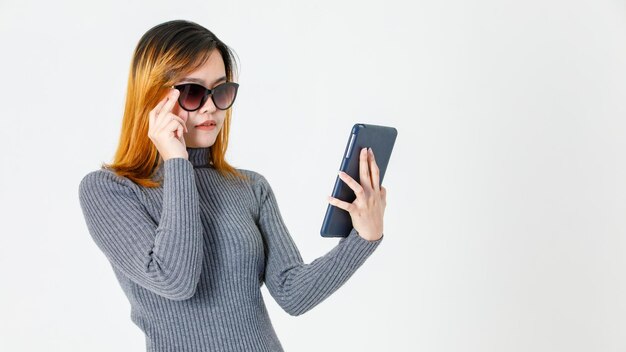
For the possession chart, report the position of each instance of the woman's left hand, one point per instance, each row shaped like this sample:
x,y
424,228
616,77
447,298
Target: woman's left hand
x,y
368,208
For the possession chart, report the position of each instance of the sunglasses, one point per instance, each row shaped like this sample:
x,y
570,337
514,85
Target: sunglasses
x,y
193,96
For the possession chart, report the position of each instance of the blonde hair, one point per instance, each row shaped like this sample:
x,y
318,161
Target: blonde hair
x,y
165,53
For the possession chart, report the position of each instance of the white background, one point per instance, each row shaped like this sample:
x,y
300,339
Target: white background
x,y
504,228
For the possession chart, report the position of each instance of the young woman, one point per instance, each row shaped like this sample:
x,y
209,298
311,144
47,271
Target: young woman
x,y
190,238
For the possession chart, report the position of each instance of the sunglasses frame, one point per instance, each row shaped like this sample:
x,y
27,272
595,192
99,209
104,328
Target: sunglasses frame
x,y
207,92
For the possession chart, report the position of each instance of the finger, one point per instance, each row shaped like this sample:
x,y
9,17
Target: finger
x,y
173,126
152,115
364,172
374,171
163,120
171,101
183,128
355,186
383,194
173,117
159,106
185,118
182,121
340,203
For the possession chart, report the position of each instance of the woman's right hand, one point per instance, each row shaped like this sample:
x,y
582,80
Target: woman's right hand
x,y
166,128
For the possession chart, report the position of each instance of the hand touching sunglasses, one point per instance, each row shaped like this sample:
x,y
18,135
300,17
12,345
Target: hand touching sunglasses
x,y
193,95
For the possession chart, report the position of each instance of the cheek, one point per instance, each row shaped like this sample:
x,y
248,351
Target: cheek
x,y
221,116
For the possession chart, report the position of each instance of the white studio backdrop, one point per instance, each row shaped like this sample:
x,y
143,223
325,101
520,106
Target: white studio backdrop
x,y
504,228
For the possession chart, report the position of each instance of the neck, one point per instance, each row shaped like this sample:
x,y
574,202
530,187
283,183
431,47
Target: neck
x,y
200,156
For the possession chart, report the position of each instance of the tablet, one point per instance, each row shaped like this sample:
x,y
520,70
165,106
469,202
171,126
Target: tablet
x,y
337,222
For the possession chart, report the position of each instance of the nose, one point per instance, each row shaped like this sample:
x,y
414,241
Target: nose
x,y
208,106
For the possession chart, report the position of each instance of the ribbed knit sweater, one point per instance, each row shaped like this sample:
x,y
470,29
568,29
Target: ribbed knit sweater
x,y
191,256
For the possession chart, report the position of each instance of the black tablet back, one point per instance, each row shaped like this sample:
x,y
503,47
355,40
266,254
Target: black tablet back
x,y
337,222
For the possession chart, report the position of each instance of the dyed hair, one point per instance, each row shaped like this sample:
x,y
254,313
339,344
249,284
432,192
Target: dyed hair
x,y
165,53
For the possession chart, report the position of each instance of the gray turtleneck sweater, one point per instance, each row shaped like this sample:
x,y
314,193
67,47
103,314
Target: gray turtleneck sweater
x,y
192,255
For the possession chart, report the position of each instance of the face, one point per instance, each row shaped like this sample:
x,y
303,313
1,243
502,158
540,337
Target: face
x,y
209,75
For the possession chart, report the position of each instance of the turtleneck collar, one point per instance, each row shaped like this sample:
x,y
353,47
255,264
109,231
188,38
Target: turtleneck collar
x,y
199,157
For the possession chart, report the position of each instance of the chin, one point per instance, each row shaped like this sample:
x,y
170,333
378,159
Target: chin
x,y
201,139
200,143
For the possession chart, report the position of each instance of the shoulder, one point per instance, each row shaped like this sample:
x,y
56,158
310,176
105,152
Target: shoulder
x,y
254,176
104,182
259,183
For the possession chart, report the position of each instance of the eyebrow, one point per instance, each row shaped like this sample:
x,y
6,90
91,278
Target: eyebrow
x,y
201,81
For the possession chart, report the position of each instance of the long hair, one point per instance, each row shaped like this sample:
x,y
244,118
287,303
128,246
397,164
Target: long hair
x,y
165,53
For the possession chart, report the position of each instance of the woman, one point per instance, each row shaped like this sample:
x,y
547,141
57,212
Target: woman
x,y
190,238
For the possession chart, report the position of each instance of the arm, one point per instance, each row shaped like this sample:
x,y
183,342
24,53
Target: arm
x,y
298,287
165,258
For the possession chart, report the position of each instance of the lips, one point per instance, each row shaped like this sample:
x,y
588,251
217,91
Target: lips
x,y
208,123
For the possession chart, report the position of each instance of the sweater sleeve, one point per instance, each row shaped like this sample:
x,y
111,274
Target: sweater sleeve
x,y
165,258
296,286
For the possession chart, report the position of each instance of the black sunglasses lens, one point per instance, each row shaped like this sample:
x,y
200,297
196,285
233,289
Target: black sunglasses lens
x,y
191,96
224,95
